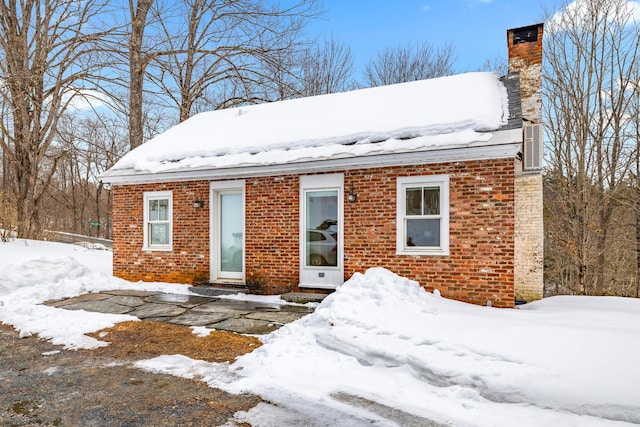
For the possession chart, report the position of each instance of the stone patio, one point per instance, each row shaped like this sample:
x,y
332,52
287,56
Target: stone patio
x,y
244,317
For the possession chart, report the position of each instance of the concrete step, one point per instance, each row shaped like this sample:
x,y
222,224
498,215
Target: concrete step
x,y
303,297
213,291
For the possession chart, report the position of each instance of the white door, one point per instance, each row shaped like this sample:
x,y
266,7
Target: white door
x,y
227,243
321,242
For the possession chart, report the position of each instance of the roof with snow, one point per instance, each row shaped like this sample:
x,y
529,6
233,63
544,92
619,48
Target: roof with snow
x,y
445,113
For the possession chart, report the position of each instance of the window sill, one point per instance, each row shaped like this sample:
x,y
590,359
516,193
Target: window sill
x,y
316,286
424,252
157,249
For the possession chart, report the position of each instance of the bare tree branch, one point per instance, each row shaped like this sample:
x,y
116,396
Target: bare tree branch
x,y
589,85
409,63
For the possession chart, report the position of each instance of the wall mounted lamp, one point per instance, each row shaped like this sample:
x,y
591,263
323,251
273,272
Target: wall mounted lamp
x,y
197,203
352,196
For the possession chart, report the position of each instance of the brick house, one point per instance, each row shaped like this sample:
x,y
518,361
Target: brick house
x,y
437,180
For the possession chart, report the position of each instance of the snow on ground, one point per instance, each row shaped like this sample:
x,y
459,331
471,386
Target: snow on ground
x,y
32,272
563,361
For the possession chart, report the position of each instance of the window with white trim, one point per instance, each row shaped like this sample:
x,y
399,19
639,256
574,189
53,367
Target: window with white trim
x,y
158,220
423,215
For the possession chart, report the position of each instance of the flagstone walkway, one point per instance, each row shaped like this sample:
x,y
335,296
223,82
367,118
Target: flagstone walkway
x,y
245,317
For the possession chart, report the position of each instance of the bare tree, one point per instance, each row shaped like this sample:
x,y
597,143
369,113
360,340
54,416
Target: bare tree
x,y
409,63
48,61
634,181
588,86
283,68
327,68
637,219
76,201
206,53
497,64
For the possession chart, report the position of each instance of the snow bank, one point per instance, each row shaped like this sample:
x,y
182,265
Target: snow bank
x,y
19,250
28,284
561,362
33,272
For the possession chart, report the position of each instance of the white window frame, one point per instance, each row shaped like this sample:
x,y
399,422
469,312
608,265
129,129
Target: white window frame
x,y
440,181
157,195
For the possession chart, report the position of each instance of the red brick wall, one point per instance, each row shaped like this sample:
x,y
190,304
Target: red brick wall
x,y
188,262
480,265
479,268
272,231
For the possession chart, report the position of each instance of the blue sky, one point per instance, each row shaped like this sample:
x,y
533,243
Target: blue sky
x,y
476,28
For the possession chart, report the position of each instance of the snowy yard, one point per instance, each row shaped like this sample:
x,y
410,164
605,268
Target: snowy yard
x,y
564,361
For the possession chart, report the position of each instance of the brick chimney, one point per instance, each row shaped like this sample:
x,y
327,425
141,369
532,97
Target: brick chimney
x,y
525,57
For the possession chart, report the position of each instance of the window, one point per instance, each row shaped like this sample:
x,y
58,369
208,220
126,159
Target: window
x,y
157,220
423,215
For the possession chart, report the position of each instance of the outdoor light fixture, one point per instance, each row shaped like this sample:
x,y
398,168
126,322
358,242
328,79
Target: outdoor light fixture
x,y
352,197
197,203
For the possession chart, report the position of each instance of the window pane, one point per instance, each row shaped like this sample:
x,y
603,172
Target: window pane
x,y
414,201
163,209
314,236
432,201
423,232
153,210
159,234
231,232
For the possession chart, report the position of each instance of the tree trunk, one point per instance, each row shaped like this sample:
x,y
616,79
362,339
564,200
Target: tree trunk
x,y
5,176
26,212
98,212
137,65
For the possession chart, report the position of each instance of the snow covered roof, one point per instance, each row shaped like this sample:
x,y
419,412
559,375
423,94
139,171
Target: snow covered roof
x,y
434,114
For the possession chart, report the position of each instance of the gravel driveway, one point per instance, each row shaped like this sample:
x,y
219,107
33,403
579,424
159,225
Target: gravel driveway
x,y
44,385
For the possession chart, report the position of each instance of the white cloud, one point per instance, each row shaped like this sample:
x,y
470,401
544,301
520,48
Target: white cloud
x,y
85,99
79,99
578,13
426,8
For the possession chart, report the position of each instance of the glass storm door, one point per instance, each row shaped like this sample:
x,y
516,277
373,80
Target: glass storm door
x,y
321,232
229,234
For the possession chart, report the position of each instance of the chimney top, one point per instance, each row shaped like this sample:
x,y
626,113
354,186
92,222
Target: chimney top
x,y
524,44
525,34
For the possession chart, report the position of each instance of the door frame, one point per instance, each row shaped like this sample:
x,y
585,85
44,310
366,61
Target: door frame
x,y
215,189
322,277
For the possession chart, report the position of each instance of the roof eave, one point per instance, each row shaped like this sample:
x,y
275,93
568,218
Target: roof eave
x,y
503,144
